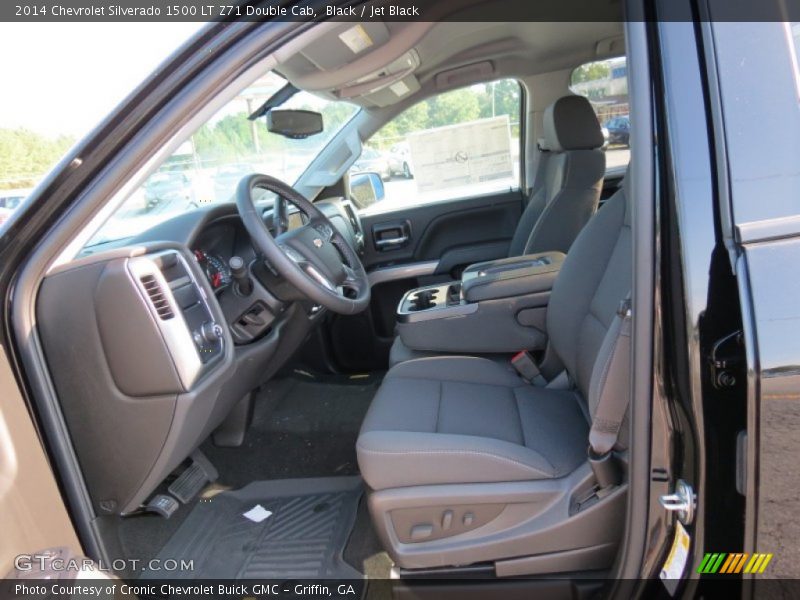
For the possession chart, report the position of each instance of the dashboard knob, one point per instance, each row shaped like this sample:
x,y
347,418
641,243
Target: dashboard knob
x,y
240,276
238,268
211,332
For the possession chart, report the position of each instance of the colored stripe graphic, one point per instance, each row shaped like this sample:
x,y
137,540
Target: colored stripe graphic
x,y
728,562
702,567
740,564
718,562
767,558
751,563
722,562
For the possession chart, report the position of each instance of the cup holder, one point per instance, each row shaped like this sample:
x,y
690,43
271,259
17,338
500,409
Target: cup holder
x,y
423,300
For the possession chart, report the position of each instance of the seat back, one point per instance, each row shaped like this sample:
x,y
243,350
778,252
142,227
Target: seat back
x,y
568,182
595,277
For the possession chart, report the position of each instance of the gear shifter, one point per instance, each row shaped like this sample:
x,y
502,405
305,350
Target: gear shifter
x,y
240,276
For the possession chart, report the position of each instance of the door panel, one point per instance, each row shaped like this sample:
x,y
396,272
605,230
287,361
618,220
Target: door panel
x,y
433,229
34,515
434,242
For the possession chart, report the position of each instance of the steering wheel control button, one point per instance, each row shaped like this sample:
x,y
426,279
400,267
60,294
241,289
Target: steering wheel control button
x,y
325,230
293,254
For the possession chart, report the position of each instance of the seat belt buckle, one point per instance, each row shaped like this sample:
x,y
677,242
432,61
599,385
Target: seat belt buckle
x,y
624,308
605,468
526,366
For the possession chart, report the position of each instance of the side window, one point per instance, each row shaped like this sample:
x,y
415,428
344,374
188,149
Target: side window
x,y
605,84
457,144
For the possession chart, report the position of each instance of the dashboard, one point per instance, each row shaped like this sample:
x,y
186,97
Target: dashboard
x,y
171,342
216,234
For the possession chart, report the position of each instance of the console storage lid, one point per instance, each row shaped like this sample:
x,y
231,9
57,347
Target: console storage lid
x,y
511,277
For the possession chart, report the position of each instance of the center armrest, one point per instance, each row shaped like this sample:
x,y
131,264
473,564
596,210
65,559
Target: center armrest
x,y
498,306
509,277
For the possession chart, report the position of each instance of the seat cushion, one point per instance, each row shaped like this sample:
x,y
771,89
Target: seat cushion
x,y
400,353
467,420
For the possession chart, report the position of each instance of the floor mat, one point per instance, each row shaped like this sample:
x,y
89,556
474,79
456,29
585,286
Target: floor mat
x,y
303,426
304,537
364,550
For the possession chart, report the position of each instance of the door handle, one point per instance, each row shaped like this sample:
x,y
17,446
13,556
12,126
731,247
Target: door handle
x,y
388,243
391,236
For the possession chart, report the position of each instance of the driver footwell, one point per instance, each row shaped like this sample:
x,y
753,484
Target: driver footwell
x,y
303,536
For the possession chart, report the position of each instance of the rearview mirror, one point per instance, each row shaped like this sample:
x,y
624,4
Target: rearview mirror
x,y
366,189
294,124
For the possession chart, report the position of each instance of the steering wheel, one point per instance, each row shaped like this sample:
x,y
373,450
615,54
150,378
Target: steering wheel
x,y
315,258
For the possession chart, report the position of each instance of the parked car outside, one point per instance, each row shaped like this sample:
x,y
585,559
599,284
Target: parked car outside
x,y
372,160
619,130
10,200
400,160
168,187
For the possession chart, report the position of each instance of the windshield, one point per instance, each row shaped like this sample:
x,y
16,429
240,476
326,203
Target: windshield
x,y
207,167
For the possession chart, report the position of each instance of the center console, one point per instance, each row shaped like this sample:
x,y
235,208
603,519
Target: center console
x,y
498,306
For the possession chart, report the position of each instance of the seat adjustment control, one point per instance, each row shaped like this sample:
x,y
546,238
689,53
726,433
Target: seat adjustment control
x,y
422,531
447,519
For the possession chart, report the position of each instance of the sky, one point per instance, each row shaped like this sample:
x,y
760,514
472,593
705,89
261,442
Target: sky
x,y
63,78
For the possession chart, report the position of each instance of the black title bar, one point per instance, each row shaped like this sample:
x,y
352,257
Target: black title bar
x,y
375,10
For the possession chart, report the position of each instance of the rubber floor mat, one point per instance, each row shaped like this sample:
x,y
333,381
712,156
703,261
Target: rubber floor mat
x,y
304,537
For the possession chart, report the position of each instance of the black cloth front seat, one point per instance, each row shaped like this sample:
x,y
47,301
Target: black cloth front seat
x,y
565,194
569,179
446,421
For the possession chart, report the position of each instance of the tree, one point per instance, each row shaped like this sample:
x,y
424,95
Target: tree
x,y
501,98
25,156
593,71
458,106
412,119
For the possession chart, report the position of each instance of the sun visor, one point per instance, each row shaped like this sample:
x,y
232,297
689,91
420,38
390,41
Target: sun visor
x,y
398,75
393,93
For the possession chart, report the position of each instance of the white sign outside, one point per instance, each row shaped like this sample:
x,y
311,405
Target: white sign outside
x,y
462,155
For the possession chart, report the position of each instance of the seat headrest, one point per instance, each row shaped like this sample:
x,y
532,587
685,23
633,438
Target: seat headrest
x,y
570,124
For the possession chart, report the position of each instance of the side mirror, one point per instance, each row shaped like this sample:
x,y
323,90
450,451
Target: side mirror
x,y
366,189
294,124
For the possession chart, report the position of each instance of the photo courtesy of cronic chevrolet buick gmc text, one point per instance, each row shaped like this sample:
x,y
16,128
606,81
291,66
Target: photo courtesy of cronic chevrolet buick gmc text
x,y
446,308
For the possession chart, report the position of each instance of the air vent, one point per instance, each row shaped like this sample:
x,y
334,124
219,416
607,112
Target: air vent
x,y
160,302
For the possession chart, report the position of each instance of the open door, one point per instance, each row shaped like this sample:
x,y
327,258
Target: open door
x,y
35,522
761,223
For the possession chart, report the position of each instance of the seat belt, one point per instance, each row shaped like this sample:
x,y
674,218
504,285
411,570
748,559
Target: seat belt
x,y
526,367
609,393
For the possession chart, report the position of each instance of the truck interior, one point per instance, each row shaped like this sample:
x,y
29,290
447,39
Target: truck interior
x,y
324,377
